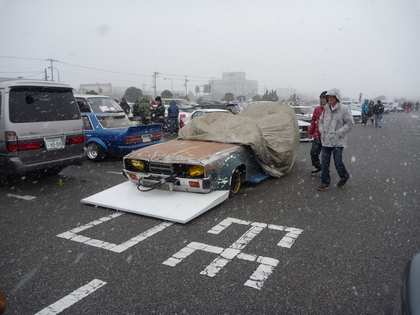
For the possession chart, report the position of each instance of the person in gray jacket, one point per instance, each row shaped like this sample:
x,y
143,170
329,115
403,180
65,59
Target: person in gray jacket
x,y
334,124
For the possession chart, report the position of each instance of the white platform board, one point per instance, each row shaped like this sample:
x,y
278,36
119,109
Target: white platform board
x,y
174,206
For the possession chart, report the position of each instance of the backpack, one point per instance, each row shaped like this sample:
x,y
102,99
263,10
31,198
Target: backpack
x,y
379,109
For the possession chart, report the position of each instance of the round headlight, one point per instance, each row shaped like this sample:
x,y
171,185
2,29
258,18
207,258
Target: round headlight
x,y
137,164
196,170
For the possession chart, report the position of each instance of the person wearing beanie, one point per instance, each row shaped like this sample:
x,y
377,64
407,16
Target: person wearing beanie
x,y
334,124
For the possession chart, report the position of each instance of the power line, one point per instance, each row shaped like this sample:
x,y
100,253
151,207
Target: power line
x,y
117,72
109,71
11,57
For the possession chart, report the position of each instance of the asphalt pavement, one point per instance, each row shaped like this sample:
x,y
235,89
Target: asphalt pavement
x,y
278,247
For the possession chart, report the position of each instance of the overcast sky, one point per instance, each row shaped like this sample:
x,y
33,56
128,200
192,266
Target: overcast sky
x,y
357,46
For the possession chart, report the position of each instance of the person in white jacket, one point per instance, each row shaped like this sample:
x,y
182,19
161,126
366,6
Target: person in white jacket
x,y
334,124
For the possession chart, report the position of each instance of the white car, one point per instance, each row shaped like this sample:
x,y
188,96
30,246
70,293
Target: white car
x,y
185,118
303,113
303,130
356,113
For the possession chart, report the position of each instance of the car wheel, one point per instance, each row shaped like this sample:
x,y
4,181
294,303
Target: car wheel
x,y
95,152
235,182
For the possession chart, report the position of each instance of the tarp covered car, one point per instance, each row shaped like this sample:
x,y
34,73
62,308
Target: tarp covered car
x,y
219,152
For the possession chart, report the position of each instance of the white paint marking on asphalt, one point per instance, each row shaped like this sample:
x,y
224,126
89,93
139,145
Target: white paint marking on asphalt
x,y
117,173
225,255
26,197
118,248
72,298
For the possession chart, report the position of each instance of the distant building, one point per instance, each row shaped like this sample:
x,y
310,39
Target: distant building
x,y
233,82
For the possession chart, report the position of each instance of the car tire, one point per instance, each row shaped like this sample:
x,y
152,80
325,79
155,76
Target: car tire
x,y
95,151
235,182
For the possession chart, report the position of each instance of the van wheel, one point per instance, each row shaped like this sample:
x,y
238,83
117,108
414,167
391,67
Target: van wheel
x,y
235,182
95,152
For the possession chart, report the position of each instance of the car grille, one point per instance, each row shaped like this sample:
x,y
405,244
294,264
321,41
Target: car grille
x,y
161,168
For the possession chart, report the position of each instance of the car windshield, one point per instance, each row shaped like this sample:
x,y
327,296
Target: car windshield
x,y
104,105
115,121
303,110
35,104
186,109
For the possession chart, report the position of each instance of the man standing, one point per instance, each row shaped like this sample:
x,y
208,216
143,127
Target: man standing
x,y
159,111
313,132
124,105
173,113
335,122
378,111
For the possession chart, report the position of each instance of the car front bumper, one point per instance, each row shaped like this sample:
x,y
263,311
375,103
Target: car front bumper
x,y
147,181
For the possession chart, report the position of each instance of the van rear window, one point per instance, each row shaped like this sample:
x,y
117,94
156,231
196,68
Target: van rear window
x,y
37,104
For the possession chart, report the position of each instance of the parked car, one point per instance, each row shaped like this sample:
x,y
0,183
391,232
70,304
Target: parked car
x,y
200,112
97,104
303,130
41,128
179,101
194,166
356,112
220,152
408,297
115,135
387,108
304,112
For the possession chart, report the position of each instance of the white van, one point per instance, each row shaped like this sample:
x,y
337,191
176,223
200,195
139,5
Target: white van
x,y
41,128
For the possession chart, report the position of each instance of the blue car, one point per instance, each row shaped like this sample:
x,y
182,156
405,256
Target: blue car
x,y
113,134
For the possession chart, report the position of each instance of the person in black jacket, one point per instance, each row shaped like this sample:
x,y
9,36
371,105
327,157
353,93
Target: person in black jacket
x,y
378,111
159,111
124,105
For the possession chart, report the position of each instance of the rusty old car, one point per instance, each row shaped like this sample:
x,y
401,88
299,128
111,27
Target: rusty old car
x,y
220,152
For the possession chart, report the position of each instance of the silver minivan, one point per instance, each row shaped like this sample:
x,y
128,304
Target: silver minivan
x,y
41,127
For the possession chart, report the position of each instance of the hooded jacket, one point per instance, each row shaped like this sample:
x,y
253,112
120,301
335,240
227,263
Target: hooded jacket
x,y
335,123
365,107
173,110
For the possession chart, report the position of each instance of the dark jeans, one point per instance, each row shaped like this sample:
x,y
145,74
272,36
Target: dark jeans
x,y
338,162
316,149
173,124
364,119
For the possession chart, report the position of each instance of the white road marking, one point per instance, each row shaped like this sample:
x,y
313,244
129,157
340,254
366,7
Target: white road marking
x,y
118,248
26,197
225,255
72,298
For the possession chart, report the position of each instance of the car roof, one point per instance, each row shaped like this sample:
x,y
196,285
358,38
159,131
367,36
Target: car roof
x,y
32,83
105,114
209,110
91,96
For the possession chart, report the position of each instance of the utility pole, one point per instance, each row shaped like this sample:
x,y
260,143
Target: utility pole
x,y
155,74
186,89
52,66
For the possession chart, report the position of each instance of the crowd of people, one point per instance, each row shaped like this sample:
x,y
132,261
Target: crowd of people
x,y
147,112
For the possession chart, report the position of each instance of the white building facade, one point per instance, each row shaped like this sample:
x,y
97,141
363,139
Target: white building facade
x,y
234,82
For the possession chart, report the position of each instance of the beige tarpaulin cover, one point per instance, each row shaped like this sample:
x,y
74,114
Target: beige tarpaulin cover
x,y
270,129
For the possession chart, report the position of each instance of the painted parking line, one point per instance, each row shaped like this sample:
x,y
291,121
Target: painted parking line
x,y
72,298
225,255
73,235
26,197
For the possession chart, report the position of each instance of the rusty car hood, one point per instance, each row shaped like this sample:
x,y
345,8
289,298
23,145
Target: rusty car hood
x,y
178,151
